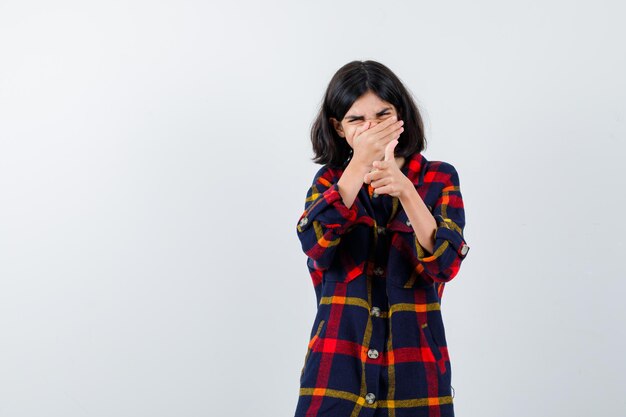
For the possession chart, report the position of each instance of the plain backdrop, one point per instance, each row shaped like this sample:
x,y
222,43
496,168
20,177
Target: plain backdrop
x,y
154,161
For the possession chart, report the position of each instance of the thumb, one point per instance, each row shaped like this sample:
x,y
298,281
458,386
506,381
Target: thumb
x,y
389,150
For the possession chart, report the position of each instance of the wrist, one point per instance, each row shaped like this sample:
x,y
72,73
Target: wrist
x,y
359,166
408,190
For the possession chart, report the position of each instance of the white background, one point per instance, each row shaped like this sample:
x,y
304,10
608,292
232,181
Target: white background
x,y
154,160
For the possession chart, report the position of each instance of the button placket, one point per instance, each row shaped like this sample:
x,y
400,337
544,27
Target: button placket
x,y
376,266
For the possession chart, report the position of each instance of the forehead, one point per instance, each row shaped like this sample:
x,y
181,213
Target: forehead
x,y
368,104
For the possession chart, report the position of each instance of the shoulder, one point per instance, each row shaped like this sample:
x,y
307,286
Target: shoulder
x,y
441,166
442,172
327,175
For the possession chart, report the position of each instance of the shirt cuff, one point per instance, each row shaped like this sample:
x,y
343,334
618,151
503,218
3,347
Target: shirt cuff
x,y
330,211
448,240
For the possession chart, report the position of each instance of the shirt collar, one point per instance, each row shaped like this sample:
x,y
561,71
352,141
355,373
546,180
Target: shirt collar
x,y
414,168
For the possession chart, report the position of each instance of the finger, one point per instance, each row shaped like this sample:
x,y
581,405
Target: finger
x,y
389,156
385,189
381,165
373,174
360,130
390,129
380,127
381,182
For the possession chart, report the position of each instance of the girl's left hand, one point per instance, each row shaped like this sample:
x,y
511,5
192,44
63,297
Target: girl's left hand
x,y
386,178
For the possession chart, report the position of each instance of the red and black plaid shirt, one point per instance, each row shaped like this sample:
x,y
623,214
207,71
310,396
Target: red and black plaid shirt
x,y
377,345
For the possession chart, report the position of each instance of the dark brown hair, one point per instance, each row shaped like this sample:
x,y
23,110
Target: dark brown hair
x,y
348,84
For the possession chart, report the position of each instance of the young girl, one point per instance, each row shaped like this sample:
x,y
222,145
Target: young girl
x,y
382,229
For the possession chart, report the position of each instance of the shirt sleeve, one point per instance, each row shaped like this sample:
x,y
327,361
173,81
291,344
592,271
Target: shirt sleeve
x,y
450,246
326,218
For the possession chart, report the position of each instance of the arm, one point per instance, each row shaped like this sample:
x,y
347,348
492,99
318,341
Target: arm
x,y
423,223
437,241
326,215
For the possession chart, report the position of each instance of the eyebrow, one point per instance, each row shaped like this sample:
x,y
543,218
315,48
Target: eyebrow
x,y
354,117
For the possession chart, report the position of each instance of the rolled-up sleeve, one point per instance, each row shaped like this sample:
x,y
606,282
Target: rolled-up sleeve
x,y
326,218
450,247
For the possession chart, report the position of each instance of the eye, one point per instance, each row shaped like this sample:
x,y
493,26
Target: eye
x,y
356,121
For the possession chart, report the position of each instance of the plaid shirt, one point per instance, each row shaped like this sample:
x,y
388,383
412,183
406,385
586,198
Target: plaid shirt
x,y
377,345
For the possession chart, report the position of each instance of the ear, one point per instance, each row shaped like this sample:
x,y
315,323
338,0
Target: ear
x,y
337,125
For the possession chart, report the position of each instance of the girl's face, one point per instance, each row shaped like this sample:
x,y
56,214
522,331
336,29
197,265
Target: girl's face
x,y
368,107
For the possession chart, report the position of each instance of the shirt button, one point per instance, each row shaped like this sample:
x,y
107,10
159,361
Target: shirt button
x,y
375,312
464,249
374,195
379,271
408,222
303,221
370,398
372,353
381,230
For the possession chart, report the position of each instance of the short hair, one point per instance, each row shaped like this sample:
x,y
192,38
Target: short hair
x,y
348,84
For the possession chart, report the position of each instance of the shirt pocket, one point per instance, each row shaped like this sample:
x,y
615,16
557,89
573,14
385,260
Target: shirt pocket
x,y
403,262
433,346
351,255
311,347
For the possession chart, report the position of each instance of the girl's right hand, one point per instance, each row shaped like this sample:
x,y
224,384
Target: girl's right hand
x,y
369,143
